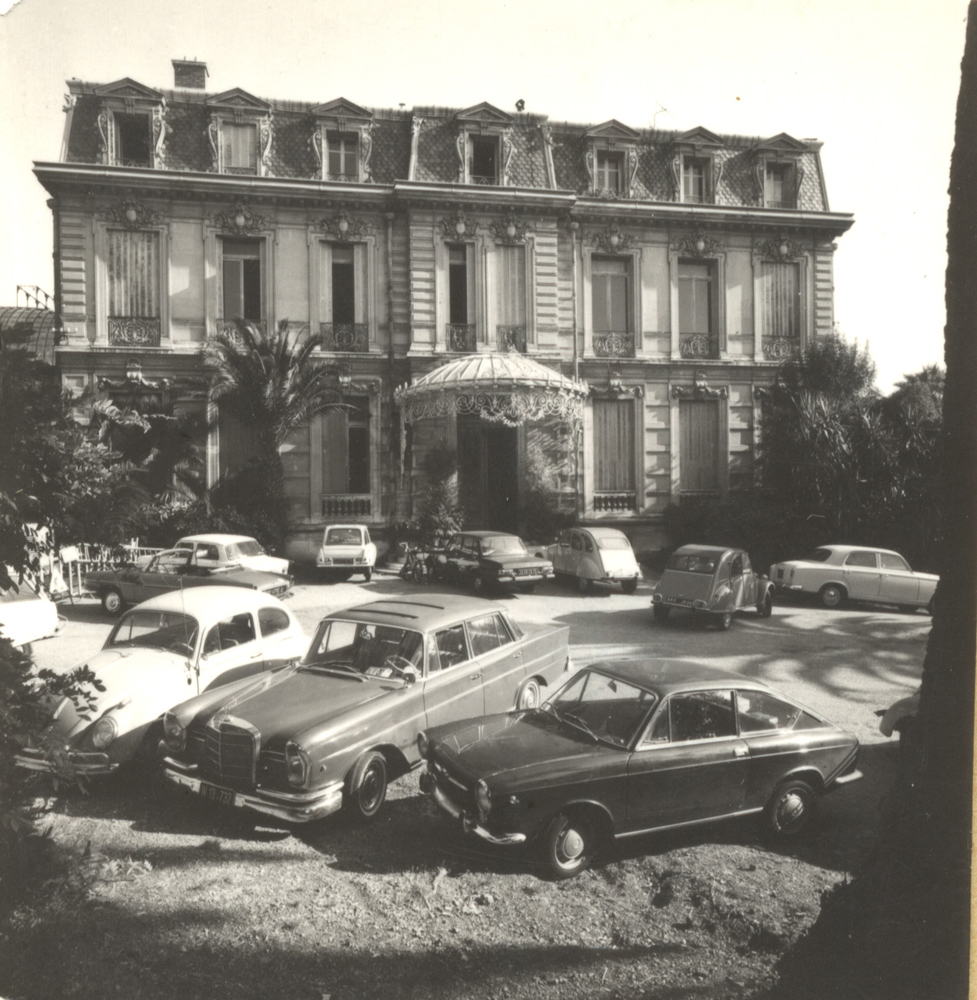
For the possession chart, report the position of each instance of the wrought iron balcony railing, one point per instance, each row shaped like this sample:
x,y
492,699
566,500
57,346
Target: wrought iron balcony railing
x,y
780,348
613,502
347,505
609,344
698,345
249,171
511,338
134,331
345,336
460,337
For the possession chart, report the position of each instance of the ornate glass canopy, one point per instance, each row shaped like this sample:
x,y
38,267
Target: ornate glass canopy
x,y
503,388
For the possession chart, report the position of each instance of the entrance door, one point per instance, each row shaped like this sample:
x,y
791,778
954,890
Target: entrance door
x,y
488,474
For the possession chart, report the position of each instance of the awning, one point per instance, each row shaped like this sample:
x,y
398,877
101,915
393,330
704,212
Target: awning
x,y
506,388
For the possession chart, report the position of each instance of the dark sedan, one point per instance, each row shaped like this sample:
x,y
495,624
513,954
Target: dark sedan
x,y
630,747
484,559
175,569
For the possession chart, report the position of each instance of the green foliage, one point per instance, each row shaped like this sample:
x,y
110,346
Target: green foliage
x,y
439,512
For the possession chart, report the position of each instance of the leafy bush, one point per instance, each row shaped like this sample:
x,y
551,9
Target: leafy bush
x,y
439,513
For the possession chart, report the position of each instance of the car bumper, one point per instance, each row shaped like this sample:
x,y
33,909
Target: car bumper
x,y
511,578
291,807
468,825
79,761
844,779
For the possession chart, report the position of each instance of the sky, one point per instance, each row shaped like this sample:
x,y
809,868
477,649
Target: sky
x,y
875,80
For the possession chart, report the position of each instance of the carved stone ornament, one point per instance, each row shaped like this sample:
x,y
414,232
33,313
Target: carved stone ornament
x,y
103,136
458,227
509,229
160,130
344,227
616,388
612,240
131,213
699,245
240,219
366,151
699,389
507,150
213,138
780,249
315,142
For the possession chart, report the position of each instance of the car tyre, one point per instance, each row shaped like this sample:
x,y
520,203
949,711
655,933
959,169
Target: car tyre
x,y
568,845
368,574
629,586
367,786
478,583
528,696
584,585
724,620
831,595
418,572
662,612
790,808
112,601
765,607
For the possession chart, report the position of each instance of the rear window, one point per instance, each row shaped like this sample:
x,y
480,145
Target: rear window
x,y
819,555
613,543
697,562
502,543
343,536
250,548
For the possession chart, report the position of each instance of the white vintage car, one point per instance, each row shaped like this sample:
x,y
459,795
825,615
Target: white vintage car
x,y
594,556
346,549
161,653
217,550
27,615
837,573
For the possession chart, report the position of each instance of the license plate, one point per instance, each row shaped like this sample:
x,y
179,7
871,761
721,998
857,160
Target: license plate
x,y
683,601
215,794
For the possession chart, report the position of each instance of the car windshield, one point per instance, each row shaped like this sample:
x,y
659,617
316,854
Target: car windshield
x,y
604,707
502,544
819,555
364,648
250,548
695,562
343,536
612,542
159,629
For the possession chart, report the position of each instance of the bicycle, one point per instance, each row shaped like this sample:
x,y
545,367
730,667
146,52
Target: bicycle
x,y
415,564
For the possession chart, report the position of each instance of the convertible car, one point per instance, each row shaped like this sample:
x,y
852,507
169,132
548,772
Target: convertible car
x,y
333,730
629,747
157,654
175,569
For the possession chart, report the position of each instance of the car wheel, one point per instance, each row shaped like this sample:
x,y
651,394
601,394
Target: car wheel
x,y
418,572
765,607
584,585
112,601
831,595
662,611
629,586
790,808
567,846
368,574
724,620
478,583
367,785
528,696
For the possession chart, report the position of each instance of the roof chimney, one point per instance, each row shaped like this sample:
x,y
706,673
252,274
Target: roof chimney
x,y
190,74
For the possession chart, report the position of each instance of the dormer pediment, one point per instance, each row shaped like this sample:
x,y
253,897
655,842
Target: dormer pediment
x,y
700,138
128,89
238,100
614,130
341,108
484,114
782,143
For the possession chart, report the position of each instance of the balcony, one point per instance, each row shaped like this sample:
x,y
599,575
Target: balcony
x,y
134,331
347,505
511,338
349,178
345,336
486,180
460,337
698,345
780,348
613,503
609,344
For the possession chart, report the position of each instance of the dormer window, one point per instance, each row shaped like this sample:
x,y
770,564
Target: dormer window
x,y
696,165
342,141
131,125
779,186
240,148
484,162
133,140
240,133
610,172
343,153
696,180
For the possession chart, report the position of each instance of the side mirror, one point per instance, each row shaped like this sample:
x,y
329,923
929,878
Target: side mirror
x,y
410,675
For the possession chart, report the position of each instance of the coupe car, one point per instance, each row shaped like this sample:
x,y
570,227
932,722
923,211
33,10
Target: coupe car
x,y
592,556
713,583
336,728
346,549
837,573
175,569
158,654
490,559
630,747
217,550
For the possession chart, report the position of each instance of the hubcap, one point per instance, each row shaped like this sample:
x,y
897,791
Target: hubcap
x,y
572,846
791,809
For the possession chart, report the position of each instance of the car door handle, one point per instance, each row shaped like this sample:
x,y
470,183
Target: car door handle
x,y
517,652
257,653
741,751
474,677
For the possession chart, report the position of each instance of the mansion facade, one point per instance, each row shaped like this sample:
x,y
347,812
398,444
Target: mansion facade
x,y
671,272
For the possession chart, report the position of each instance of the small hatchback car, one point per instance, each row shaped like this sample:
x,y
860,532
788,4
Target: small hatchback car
x,y
713,582
346,549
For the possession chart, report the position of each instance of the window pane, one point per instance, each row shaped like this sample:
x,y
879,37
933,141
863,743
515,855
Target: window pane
x,y
866,559
511,285
614,445
343,285
760,711
272,620
484,162
610,284
133,273
240,147
132,142
252,289
451,646
699,444
483,635
457,284
780,290
694,298
891,561
702,716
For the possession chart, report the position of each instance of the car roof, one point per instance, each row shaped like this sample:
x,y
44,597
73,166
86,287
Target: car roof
x,y
487,534
431,611
718,550
329,527
667,676
216,539
856,548
602,532
209,602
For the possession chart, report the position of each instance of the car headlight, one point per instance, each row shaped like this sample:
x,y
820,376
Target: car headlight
x,y
174,733
104,731
423,745
297,765
483,799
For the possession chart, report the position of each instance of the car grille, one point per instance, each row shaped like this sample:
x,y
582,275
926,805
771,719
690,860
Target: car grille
x,y
229,755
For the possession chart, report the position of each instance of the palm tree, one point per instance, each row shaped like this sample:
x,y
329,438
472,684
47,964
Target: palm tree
x,y
271,383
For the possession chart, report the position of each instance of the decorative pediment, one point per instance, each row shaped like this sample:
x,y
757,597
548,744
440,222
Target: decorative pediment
x,y
614,130
484,114
342,110
612,240
458,227
783,248
509,229
782,143
240,221
131,213
698,244
128,89
699,389
344,227
698,138
238,100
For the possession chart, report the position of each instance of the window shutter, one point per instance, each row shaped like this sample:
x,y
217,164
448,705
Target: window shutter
x,y
325,283
699,444
614,445
511,285
335,452
359,282
781,298
133,273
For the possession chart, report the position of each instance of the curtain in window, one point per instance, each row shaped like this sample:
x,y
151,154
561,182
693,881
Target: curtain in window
x,y
133,273
699,444
780,296
694,298
613,445
611,295
510,286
